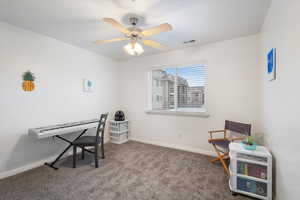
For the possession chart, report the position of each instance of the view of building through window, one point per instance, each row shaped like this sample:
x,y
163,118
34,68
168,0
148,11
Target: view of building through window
x,y
180,89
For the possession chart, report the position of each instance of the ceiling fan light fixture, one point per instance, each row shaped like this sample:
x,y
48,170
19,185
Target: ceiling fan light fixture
x,y
135,34
134,48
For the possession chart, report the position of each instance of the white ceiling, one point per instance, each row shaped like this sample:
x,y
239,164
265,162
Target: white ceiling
x,y
77,21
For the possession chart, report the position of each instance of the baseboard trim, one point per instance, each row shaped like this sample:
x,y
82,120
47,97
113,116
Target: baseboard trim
x,y
39,163
33,165
174,146
30,166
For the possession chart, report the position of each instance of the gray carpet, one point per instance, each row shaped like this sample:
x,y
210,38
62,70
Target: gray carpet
x,y
131,171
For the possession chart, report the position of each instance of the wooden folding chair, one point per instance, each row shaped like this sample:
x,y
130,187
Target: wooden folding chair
x,y
221,145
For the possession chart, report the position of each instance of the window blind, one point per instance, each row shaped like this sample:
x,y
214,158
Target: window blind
x,y
179,89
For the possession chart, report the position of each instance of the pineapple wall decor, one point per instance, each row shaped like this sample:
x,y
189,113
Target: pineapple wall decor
x,y
28,81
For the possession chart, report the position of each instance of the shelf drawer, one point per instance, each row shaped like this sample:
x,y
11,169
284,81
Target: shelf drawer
x,y
118,134
119,126
120,139
252,158
251,186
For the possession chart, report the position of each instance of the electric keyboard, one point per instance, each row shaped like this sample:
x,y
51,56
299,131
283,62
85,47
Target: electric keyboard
x,y
60,129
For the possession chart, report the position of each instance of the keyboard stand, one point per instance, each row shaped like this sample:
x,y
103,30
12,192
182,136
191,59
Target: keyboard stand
x,y
66,149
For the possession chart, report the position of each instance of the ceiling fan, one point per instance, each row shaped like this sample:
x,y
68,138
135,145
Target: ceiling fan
x,y
136,35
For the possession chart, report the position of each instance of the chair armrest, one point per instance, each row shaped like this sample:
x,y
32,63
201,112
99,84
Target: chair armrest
x,y
217,139
217,131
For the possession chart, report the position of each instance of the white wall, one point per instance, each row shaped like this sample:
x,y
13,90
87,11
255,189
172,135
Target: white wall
x,y
58,97
233,89
281,98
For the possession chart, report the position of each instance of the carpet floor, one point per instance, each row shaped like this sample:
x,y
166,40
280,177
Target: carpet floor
x,y
130,171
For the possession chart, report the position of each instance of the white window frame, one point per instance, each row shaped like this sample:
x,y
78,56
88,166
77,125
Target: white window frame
x,y
149,109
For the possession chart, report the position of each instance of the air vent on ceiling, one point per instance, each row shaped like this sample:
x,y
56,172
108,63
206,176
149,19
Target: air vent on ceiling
x,y
189,42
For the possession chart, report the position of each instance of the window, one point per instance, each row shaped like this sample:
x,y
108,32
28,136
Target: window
x,y
157,83
180,89
157,98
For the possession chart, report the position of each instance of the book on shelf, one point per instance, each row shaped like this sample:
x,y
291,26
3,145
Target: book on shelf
x,y
253,170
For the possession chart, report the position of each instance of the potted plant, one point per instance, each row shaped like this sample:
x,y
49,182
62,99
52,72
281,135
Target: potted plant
x,y
249,143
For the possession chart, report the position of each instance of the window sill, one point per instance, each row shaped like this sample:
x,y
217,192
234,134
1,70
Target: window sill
x,y
203,114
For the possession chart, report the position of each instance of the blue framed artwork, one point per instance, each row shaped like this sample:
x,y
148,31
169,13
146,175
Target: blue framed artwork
x,y
271,70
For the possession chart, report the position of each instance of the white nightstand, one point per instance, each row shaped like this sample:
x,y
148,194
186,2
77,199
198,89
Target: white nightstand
x,y
250,171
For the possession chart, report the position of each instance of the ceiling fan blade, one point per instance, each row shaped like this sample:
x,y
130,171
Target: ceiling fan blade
x,y
153,44
116,24
112,40
157,29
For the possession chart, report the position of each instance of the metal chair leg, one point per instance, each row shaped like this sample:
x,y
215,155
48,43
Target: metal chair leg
x,y
74,156
102,148
96,156
82,153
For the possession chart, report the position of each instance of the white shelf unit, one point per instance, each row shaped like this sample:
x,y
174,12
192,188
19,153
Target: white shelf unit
x,y
250,171
118,131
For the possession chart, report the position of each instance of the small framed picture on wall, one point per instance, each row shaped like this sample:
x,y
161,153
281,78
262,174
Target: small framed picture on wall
x,y
271,67
88,85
